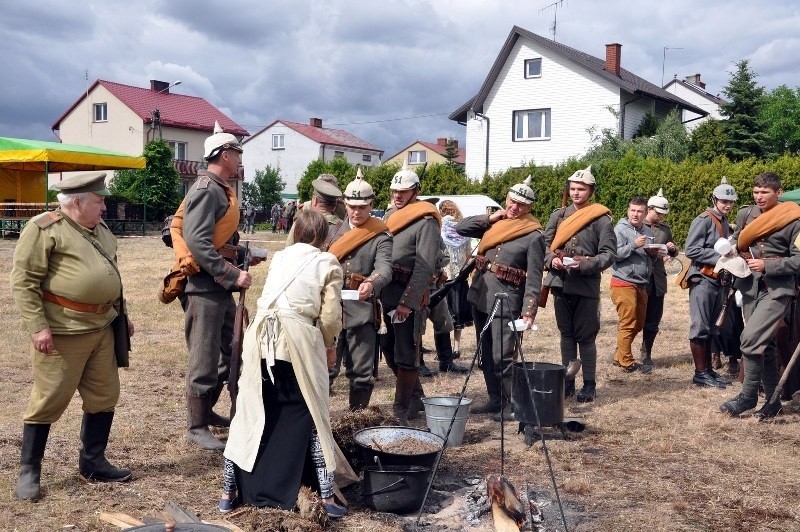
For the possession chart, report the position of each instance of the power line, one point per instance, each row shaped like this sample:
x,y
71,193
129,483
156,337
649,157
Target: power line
x,y
366,122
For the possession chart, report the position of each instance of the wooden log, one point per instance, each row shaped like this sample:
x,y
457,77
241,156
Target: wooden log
x,y
121,520
502,521
180,514
223,523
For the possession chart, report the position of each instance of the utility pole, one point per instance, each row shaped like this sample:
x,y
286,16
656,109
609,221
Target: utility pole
x,y
664,60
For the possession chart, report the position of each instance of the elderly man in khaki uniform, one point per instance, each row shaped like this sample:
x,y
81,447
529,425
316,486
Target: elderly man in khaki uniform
x,y
324,199
364,249
210,219
67,288
415,230
339,211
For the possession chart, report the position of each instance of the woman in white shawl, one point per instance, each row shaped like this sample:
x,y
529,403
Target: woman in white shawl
x,y
283,388
459,252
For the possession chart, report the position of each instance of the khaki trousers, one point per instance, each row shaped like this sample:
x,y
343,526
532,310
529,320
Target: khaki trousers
x,y
631,302
82,362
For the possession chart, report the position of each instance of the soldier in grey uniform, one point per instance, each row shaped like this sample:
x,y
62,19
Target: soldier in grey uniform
x,y
324,199
339,210
366,260
592,248
657,209
442,322
510,260
207,301
416,240
770,246
67,294
705,291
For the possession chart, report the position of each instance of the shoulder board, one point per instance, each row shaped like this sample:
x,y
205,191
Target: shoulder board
x,y
47,219
743,207
704,214
666,225
203,182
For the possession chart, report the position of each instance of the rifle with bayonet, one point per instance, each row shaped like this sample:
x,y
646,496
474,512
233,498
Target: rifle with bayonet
x,y
240,323
726,281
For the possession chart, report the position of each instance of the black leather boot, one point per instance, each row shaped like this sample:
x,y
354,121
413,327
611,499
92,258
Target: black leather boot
x,y
424,370
34,441
92,462
768,410
493,388
738,405
569,387
648,339
444,350
507,411
588,392
359,399
197,432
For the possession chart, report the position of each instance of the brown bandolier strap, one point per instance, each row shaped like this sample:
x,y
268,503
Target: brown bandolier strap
x,y
356,237
577,221
75,305
327,244
409,214
401,274
503,272
507,230
768,222
353,280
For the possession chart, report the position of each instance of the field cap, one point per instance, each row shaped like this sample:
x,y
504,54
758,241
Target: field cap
x,y
358,191
583,176
330,178
659,202
220,141
89,182
522,192
724,191
325,189
405,178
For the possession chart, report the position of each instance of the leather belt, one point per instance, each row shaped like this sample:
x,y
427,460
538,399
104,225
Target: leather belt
x,y
75,305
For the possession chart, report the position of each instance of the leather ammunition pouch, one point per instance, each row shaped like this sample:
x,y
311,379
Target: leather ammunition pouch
x,y
401,274
708,271
230,253
503,272
353,280
440,280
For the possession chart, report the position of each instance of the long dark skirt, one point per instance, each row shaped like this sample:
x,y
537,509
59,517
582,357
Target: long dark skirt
x,y
284,460
460,309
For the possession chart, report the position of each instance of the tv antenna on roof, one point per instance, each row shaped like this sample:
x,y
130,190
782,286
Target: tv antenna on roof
x,y
555,5
664,60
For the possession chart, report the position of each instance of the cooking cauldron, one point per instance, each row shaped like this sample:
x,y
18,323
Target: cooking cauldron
x,y
387,435
547,382
396,489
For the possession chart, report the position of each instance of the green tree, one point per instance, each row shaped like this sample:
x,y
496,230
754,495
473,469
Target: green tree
x,y
265,190
708,141
745,128
338,166
156,186
781,114
451,154
648,126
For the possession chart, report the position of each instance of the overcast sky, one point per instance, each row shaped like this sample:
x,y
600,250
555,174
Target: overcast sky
x,y
388,71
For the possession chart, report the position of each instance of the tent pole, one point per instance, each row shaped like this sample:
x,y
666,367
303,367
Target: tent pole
x,y
46,179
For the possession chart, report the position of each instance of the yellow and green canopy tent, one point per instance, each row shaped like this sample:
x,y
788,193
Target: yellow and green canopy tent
x,y
25,165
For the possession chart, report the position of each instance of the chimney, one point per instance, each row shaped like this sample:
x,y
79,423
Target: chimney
x,y
315,122
159,86
696,81
441,141
613,58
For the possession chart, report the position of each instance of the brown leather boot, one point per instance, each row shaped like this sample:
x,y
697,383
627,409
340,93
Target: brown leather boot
x,y
198,433
716,361
404,389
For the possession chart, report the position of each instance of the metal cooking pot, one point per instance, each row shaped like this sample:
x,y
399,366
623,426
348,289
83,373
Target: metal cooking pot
x,y
547,383
396,489
387,435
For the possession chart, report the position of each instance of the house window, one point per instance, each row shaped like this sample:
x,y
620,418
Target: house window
x,y
533,68
366,158
338,153
532,124
178,150
416,157
278,142
101,112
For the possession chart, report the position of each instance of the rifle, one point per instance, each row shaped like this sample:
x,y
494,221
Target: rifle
x,y
442,292
730,293
544,293
240,323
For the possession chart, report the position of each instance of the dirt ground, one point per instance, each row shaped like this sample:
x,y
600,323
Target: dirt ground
x,y
656,453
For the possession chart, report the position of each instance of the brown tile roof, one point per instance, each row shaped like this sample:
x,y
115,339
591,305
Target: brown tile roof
x,y
626,79
325,135
177,110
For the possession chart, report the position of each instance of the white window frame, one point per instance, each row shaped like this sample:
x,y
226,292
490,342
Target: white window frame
x,y
417,156
179,148
366,158
100,112
528,62
521,126
278,141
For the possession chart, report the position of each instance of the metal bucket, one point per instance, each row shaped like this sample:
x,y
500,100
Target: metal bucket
x,y
396,489
547,382
439,412
387,435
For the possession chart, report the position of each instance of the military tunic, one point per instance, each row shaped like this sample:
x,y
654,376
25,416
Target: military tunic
x,y
705,292
415,247
209,309
52,255
335,230
359,337
576,292
525,253
657,287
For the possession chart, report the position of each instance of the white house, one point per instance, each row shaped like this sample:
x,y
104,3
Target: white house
x,y
694,91
542,102
292,146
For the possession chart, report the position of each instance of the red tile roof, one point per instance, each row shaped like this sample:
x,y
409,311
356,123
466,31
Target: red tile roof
x,y
177,110
325,135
